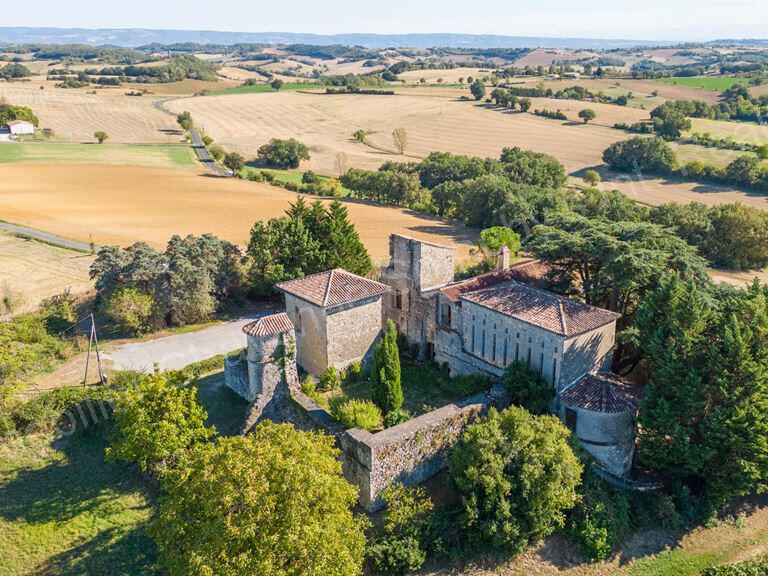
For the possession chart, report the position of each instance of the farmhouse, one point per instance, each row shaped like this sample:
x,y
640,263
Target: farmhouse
x,y
479,325
19,127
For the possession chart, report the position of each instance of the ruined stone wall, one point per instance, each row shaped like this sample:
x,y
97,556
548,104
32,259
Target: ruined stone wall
x,y
433,266
411,452
353,331
311,344
236,376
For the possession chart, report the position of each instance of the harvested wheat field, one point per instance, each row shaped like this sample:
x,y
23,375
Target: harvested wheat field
x,y
739,131
122,204
449,76
326,123
671,91
74,115
35,271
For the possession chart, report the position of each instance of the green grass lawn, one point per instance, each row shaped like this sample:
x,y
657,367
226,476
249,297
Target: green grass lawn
x,y
425,388
171,155
65,511
258,88
718,83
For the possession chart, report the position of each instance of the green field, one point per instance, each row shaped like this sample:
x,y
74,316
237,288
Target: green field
x,y
718,83
171,155
267,88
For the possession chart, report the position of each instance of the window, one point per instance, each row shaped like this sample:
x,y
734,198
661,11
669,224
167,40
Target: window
x,y
529,357
541,363
554,370
297,314
398,300
571,418
482,350
517,351
446,314
472,345
493,348
506,350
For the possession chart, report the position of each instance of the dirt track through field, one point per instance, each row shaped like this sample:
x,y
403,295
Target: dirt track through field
x,y
122,204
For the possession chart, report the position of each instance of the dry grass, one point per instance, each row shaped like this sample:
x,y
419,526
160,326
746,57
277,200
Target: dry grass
x,y
326,123
74,115
449,76
37,271
121,204
739,131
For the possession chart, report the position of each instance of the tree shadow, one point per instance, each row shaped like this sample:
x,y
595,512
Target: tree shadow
x,y
84,483
226,410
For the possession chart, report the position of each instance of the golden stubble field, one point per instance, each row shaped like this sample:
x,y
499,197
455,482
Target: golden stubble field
x,y
38,271
440,122
74,115
124,204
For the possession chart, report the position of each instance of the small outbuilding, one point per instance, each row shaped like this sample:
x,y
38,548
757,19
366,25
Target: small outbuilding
x,y
21,127
601,409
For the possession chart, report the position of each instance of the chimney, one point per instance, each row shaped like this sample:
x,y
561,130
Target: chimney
x,y
502,258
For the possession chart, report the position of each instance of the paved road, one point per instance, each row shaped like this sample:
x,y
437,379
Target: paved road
x,y
46,237
180,350
197,143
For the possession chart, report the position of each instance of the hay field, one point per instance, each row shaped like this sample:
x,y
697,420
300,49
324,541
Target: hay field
x,y
449,76
74,115
607,114
671,91
326,123
39,270
122,204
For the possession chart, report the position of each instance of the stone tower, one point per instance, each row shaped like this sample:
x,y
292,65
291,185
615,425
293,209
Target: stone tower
x,y
268,369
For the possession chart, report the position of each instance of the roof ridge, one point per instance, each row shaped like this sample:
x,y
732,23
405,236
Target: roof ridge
x,y
561,315
328,287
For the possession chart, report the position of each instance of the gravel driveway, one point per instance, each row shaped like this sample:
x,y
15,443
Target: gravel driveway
x,y
180,350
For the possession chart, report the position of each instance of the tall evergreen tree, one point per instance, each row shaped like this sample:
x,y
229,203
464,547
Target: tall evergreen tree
x,y
386,390
344,248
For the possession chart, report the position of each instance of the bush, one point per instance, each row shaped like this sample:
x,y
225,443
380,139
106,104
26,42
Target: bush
x,y
756,567
528,389
131,310
591,177
156,423
60,312
329,380
399,549
352,412
354,372
396,417
57,407
386,388
310,177
515,476
309,387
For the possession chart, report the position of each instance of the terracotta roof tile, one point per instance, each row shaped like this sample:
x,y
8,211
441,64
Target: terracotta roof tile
x,y
603,392
269,325
333,288
541,308
533,272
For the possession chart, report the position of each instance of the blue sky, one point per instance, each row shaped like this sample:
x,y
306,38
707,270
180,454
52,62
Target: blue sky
x,y
649,19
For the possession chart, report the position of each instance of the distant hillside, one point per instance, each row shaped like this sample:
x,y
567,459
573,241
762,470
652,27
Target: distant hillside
x,y
132,37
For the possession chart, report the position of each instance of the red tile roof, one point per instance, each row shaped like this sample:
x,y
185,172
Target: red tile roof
x,y
533,272
541,308
333,288
269,325
603,392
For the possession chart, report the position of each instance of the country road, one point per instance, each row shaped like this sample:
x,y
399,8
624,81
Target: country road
x,y
47,237
197,143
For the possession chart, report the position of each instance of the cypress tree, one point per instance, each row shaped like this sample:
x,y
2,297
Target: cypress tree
x,y
386,390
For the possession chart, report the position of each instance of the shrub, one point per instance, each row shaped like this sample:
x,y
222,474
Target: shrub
x,y
329,380
156,423
528,389
591,177
58,407
131,310
354,371
650,154
310,177
515,475
399,550
352,412
396,417
756,567
11,300
309,387
60,312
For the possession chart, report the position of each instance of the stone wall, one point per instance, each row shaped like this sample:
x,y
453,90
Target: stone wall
x,y
236,376
353,331
309,323
587,352
410,452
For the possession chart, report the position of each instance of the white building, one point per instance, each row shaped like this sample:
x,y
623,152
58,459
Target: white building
x,y
19,127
